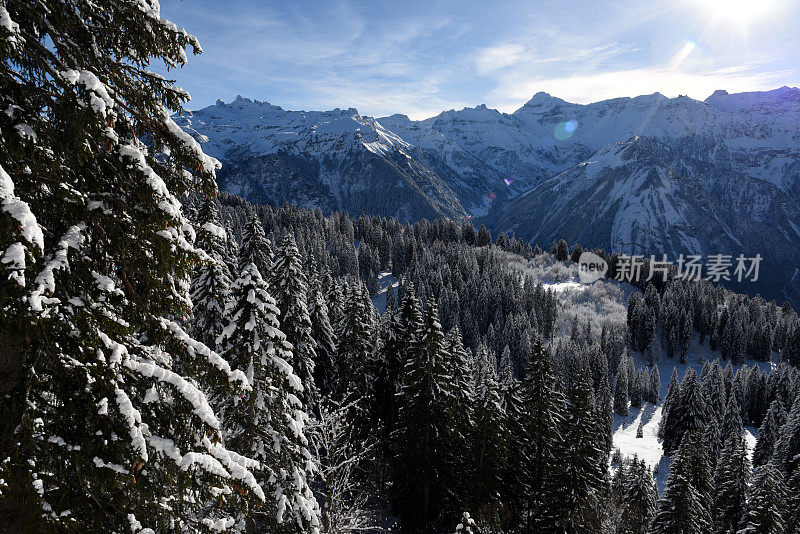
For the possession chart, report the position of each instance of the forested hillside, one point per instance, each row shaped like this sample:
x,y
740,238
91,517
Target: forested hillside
x,y
173,359
509,415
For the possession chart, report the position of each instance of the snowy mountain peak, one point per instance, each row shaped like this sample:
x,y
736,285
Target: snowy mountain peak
x,y
781,100
398,117
541,98
661,159
479,113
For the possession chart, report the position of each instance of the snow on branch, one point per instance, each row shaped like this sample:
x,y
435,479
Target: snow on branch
x,y
238,466
134,420
19,210
100,100
187,390
209,163
45,282
10,26
194,347
168,203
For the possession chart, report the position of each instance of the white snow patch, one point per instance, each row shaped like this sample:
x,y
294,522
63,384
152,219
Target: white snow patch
x,y
385,281
648,447
565,286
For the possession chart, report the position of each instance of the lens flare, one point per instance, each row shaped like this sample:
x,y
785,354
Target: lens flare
x,y
508,181
565,130
683,53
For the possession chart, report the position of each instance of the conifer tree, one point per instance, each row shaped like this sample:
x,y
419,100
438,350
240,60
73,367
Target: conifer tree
x,y
425,436
673,393
688,413
636,391
791,350
107,427
787,449
730,484
289,285
211,284
685,507
766,503
386,373
605,416
654,385
639,499
686,337
231,251
484,237
769,433
560,250
792,515
354,348
325,341
489,435
267,423
534,466
732,420
583,461
621,388
255,248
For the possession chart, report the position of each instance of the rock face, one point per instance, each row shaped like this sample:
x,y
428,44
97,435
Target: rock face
x,y
649,174
333,160
645,197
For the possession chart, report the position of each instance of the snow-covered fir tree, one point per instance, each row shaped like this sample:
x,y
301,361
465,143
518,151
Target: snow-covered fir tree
x,y
540,427
110,429
489,432
267,423
289,286
766,503
769,433
686,504
325,339
355,342
638,497
426,443
730,484
211,283
687,413
583,465
255,248
621,387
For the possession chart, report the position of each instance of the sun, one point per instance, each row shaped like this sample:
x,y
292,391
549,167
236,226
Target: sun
x,y
738,12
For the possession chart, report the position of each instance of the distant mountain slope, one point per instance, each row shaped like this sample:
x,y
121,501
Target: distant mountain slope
x,y
645,197
333,160
703,175
753,133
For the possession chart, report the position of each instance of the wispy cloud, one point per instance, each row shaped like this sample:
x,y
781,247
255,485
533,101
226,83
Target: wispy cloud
x,y
424,56
598,86
493,58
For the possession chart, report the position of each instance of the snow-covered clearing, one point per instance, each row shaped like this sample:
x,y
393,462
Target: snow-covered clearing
x,y
385,281
648,447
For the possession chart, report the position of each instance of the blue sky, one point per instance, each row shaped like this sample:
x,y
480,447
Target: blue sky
x,y
422,57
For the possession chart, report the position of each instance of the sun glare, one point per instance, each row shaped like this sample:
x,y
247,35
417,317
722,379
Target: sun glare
x,y
740,12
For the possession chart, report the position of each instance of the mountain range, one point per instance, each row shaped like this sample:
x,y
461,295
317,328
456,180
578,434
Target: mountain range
x,y
644,175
